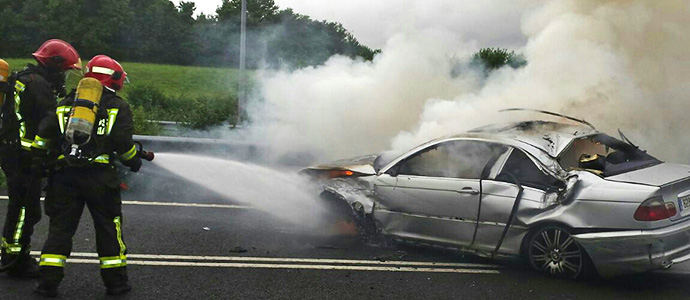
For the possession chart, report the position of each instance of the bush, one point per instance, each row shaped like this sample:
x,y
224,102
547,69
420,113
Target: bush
x,y
142,122
202,114
195,113
147,97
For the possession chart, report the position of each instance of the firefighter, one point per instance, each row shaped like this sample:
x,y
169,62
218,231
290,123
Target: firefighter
x,y
92,130
34,91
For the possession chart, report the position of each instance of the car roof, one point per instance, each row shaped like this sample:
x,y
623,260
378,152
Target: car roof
x,y
548,136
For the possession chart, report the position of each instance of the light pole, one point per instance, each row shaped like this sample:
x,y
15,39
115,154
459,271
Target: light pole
x,y
241,95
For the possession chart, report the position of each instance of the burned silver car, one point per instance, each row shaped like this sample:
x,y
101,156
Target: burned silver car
x,y
568,198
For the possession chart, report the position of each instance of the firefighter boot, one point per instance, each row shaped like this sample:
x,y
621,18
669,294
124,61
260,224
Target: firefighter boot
x,y
6,258
23,265
46,290
116,280
49,281
119,289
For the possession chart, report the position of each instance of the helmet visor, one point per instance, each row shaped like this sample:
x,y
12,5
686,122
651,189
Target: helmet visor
x,y
76,66
72,78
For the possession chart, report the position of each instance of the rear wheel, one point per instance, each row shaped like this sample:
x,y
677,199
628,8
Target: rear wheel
x,y
553,251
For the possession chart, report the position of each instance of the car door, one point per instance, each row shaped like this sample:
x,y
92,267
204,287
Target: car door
x,y
434,194
499,193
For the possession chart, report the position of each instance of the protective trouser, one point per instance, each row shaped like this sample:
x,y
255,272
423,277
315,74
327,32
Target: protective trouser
x,y
24,207
69,190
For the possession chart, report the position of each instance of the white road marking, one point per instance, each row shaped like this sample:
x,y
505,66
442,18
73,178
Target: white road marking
x,y
293,266
172,204
291,263
290,260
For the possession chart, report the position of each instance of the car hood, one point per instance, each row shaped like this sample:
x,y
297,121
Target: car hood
x,y
363,165
658,175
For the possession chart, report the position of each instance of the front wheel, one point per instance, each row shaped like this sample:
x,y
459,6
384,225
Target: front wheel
x,y
552,250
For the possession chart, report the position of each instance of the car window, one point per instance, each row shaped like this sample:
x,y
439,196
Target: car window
x,y
524,170
616,157
570,159
453,159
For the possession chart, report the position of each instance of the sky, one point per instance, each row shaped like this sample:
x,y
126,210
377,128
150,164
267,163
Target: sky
x,y
374,22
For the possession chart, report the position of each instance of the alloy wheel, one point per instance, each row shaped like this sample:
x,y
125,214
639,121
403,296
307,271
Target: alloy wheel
x,y
552,250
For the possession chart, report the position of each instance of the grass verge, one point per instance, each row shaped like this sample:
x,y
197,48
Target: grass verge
x,y
198,97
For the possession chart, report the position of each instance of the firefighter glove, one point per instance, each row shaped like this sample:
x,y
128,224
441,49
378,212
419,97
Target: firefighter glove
x,y
134,164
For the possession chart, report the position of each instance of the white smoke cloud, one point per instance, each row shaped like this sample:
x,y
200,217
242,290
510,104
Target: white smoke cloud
x,y
618,63
347,107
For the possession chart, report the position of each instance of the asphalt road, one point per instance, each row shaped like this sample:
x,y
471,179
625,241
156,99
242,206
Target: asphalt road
x,y
207,248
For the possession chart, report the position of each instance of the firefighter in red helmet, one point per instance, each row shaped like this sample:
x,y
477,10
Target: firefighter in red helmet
x,y
108,71
85,174
31,98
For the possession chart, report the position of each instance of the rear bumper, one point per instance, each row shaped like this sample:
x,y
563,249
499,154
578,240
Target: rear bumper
x,y
624,252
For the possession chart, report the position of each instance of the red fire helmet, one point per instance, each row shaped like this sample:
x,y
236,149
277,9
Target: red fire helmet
x,y
59,54
106,70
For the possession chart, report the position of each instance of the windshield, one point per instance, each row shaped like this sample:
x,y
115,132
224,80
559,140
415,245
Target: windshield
x,y
384,159
387,157
611,155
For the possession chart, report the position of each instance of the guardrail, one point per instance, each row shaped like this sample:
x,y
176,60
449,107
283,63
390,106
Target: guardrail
x,y
172,128
213,147
237,149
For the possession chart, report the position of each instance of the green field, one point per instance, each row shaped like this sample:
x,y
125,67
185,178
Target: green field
x,y
197,97
173,81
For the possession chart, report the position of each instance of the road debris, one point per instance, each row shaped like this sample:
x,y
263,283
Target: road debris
x,y
391,256
238,249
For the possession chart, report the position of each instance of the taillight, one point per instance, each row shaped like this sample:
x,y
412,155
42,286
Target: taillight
x,y
655,209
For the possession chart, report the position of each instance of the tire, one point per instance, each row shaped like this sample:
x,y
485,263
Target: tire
x,y
338,209
551,250
341,211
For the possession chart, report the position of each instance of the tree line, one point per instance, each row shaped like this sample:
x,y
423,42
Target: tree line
x,y
158,31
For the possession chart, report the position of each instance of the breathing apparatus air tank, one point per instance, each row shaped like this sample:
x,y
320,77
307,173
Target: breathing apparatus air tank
x,y
4,76
83,116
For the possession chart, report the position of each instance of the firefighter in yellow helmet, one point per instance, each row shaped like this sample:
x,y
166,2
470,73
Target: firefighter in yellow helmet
x,y
30,98
92,130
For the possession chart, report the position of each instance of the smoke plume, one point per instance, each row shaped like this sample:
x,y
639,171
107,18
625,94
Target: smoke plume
x,y
617,63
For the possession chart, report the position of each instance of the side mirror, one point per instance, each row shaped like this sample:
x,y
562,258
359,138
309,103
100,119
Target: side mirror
x,y
393,172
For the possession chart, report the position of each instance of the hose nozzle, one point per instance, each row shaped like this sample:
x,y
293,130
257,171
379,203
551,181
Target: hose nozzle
x,y
146,155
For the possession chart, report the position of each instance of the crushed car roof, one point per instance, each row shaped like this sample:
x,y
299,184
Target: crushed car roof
x,y
551,137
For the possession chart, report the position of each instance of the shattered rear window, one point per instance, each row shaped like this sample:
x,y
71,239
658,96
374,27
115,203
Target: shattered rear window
x,y
617,157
